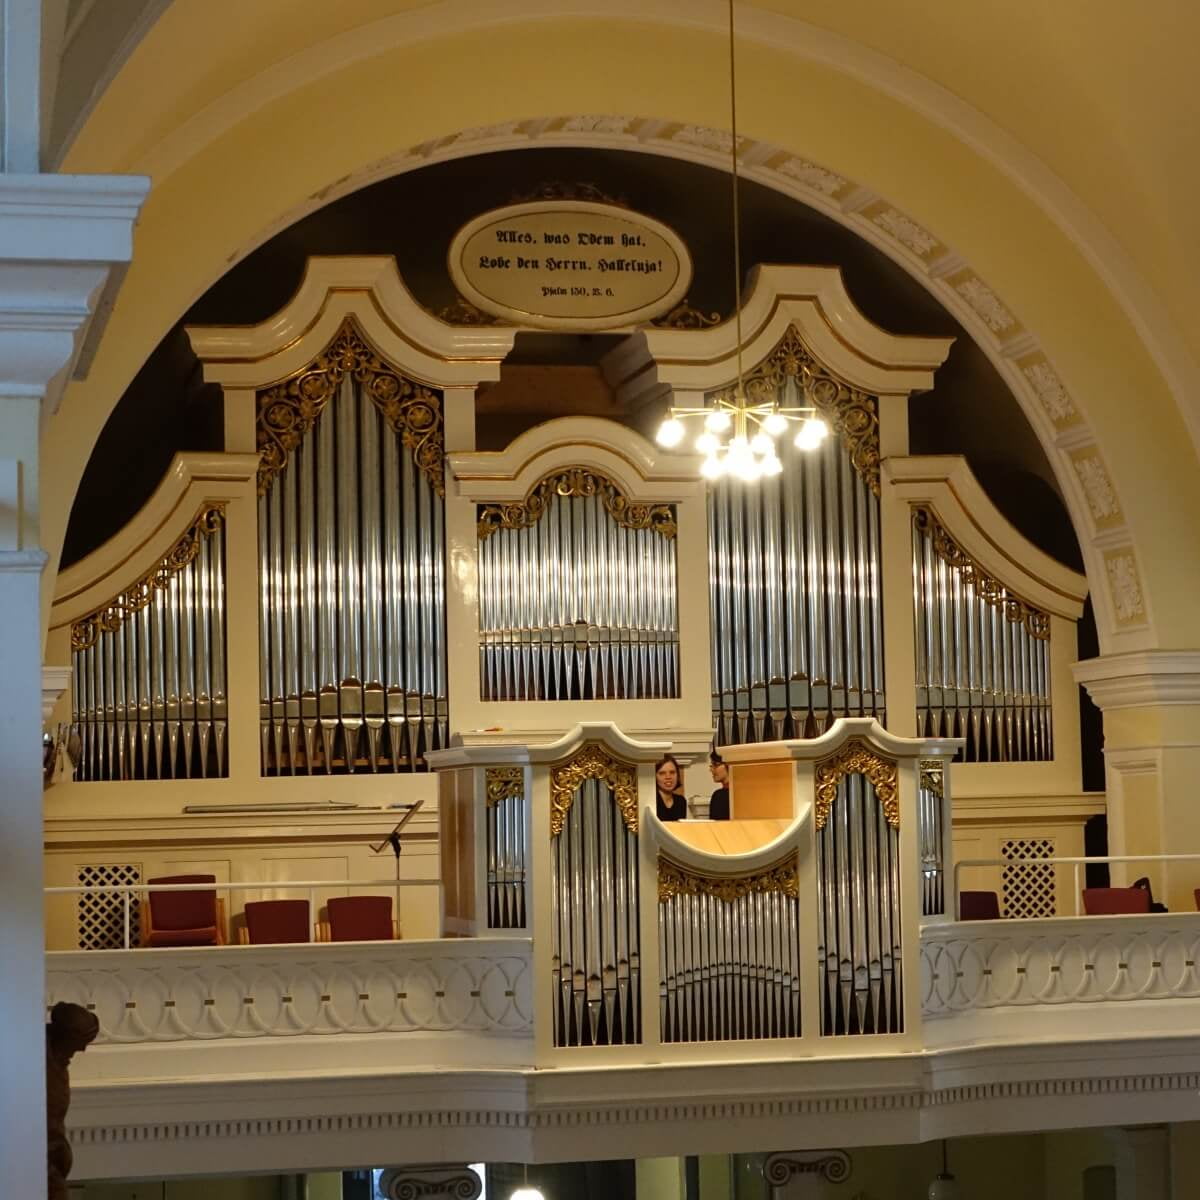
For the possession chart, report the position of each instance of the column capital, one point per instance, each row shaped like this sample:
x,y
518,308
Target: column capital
x,y
430,1182
1141,679
64,243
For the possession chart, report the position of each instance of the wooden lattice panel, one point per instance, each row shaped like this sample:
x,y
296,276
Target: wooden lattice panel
x,y
1028,889
101,915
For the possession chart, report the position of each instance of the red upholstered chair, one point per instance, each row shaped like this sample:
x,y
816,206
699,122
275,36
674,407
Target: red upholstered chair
x,y
978,906
183,918
1110,901
361,919
273,922
1196,894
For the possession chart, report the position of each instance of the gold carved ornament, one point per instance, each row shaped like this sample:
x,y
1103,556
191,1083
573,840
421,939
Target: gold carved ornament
x,y
287,411
685,316
463,312
987,587
109,617
852,414
857,758
576,481
674,880
503,783
932,776
593,762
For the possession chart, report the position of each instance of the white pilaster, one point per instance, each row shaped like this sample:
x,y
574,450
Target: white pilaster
x,y
61,237
1141,1156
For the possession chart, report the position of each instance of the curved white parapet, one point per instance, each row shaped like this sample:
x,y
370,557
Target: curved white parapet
x,y
706,863
478,986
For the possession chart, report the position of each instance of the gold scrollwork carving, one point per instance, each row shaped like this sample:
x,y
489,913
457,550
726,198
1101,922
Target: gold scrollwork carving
x,y
463,312
503,783
932,776
987,587
593,762
674,880
287,411
576,481
857,758
852,414
109,617
685,316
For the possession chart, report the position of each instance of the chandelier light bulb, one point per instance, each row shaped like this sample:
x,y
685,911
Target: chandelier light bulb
x,y
775,424
527,1193
771,465
747,470
707,443
670,433
718,421
762,445
812,433
712,467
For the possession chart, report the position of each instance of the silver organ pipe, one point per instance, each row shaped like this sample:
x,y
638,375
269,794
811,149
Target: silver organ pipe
x,y
505,835
596,944
932,836
982,654
577,595
149,698
860,952
794,568
352,567
729,955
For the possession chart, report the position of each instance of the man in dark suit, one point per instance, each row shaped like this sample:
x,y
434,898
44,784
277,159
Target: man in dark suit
x,y
718,806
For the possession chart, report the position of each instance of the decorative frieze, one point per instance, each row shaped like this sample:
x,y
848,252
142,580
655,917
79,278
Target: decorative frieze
x,y
1125,587
986,303
1097,487
906,231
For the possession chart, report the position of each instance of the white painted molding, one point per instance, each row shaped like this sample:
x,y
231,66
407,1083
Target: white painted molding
x,y
370,289
64,240
55,681
840,732
815,301
1143,679
947,484
644,474
191,480
502,748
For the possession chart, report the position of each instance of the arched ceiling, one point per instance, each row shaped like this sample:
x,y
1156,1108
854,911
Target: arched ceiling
x,y
1039,147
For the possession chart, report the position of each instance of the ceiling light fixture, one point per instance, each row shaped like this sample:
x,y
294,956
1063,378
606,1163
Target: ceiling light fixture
x,y
739,437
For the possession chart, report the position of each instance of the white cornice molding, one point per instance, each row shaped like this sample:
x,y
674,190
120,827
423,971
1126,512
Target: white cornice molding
x,y
64,242
502,748
644,474
1143,679
370,289
840,732
946,483
55,681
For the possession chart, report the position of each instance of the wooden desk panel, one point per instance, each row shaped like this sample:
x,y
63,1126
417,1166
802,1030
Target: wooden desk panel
x,y
728,837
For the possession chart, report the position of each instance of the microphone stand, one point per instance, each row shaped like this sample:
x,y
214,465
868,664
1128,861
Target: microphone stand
x,y
394,841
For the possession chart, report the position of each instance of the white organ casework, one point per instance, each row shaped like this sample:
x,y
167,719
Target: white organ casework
x,y
353,608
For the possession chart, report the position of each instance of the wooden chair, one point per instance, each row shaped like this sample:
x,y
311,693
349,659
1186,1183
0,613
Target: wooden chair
x,y
1110,901
183,918
978,906
359,919
275,922
1196,896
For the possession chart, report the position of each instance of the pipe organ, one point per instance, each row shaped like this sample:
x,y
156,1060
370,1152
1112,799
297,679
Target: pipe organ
x,y
536,626
149,694
351,567
794,562
577,594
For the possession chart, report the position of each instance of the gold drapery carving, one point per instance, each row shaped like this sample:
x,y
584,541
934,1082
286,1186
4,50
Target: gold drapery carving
x,y
503,783
674,880
287,411
857,758
576,481
592,761
932,776
987,587
853,415
109,617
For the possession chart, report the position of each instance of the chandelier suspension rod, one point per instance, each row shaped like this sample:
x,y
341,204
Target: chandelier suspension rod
x,y
737,226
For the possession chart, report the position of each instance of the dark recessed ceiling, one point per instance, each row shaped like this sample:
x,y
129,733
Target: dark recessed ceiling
x,y
414,216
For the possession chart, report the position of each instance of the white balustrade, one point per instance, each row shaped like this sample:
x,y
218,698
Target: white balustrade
x,y
995,964
477,986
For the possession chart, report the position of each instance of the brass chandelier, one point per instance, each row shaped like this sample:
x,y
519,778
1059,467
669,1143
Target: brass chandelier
x,y
739,435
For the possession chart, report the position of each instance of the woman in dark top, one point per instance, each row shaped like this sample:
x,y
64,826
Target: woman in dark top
x,y
718,806
668,779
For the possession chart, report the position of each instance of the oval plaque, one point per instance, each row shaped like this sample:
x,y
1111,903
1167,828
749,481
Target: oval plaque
x,y
560,264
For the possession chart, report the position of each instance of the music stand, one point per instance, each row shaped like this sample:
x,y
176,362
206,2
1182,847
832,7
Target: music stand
x,y
393,840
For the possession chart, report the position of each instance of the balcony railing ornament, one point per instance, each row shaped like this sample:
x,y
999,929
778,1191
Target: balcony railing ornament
x,y
504,783
593,762
857,758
